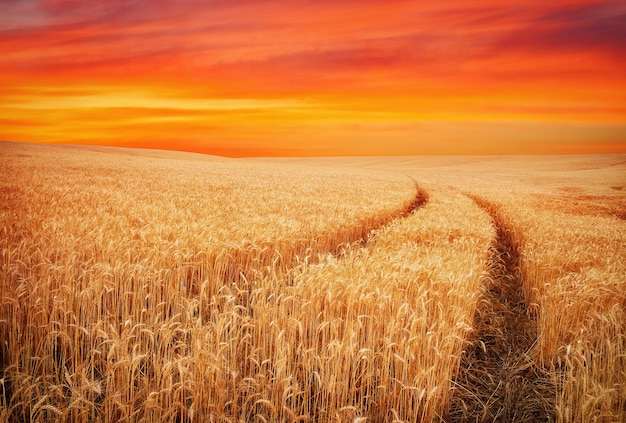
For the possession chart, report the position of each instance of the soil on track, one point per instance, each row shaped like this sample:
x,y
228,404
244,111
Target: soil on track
x,y
497,379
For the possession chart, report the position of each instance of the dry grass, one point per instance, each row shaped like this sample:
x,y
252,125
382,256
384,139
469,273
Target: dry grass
x,y
565,215
566,219
117,269
378,333
574,271
150,286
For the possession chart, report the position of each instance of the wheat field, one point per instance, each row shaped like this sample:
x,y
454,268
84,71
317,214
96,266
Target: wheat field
x,y
141,285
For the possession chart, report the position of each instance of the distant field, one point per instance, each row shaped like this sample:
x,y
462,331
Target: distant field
x,y
142,285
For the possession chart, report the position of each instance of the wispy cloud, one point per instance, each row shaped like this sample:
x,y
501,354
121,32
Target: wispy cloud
x,y
140,100
359,62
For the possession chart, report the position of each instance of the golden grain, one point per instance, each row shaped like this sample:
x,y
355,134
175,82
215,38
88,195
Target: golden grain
x,y
145,288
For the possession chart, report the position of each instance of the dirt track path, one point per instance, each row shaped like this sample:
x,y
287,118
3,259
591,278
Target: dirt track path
x,y
497,380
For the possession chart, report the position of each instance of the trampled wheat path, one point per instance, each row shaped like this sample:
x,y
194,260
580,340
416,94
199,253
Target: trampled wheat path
x,y
498,380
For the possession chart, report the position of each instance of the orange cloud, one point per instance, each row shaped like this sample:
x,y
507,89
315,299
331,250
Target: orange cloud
x,y
250,77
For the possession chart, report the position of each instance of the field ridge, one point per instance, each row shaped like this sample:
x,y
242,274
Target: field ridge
x,y
497,379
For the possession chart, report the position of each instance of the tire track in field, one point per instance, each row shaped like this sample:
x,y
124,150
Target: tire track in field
x,y
241,265
497,379
337,248
359,237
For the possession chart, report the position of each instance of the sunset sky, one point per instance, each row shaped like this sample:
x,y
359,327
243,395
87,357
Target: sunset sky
x,y
316,77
